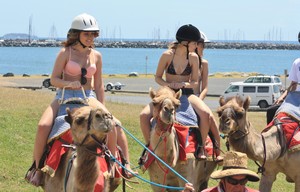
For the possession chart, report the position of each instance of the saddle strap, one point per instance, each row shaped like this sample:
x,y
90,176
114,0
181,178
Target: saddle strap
x,y
278,124
68,171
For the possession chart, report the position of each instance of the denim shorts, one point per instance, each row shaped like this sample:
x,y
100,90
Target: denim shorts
x,y
69,93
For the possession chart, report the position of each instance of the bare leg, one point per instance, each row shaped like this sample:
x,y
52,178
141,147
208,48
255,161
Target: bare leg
x,y
123,144
215,131
145,117
204,115
112,136
117,136
212,123
43,130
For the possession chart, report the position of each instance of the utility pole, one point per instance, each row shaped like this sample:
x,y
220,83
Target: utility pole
x,y
146,65
285,74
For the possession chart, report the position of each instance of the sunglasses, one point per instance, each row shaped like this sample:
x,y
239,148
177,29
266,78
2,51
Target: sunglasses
x,y
236,181
83,79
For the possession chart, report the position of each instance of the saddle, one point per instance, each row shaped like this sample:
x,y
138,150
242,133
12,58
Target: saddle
x,y
288,131
187,142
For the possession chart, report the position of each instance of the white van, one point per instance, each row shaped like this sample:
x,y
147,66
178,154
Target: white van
x,y
262,94
264,79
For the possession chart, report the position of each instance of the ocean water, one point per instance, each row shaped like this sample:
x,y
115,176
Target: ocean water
x,y
40,60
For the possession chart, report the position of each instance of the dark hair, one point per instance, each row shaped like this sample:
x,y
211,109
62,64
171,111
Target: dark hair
x,y
173,45
73,37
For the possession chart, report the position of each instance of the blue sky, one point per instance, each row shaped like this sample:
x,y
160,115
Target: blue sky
x,y
219,19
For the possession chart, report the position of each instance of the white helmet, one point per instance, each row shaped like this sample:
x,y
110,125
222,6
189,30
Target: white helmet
x,y
85,22
204,38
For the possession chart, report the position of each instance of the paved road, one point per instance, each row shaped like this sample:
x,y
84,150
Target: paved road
x,y
216,86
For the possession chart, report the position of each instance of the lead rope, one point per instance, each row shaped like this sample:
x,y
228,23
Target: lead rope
x,y
261,168
139,142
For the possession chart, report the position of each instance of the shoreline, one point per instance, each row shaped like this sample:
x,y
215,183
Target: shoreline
x,y
232,74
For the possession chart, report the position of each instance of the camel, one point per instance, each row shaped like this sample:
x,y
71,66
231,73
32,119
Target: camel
x,y
89,127
164,142
244,138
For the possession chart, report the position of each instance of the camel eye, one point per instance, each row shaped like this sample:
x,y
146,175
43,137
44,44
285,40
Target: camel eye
x,y
240,114
155,103
219,113
79,120
98,116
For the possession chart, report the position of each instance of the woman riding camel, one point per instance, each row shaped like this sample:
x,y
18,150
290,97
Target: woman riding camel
x,y
76,65
180,65
202,89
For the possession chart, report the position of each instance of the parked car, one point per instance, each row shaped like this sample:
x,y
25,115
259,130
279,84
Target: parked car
x,y
133,74
47,83
8,75
117,86
261,94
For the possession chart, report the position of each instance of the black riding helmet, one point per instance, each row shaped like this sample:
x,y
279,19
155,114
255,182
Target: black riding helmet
x,y
188,33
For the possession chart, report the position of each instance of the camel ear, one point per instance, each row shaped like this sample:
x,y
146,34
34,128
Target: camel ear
x,y
222,101
247,103
152,93
178,94
68,118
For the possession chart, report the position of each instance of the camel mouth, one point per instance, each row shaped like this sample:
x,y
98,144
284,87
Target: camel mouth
x,y
107,130
224,129
168,120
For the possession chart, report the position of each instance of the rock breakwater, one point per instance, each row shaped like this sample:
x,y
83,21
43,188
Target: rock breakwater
x,y
155,44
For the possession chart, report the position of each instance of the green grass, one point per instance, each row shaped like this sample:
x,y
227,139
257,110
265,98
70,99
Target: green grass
x,y
20,111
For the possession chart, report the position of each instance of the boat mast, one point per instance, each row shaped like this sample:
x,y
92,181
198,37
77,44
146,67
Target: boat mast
x,y
30,30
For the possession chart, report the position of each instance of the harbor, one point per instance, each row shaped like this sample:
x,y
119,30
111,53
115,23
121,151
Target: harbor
x,y
104,43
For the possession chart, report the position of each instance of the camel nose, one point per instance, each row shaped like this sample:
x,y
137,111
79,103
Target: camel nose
x,y
170,111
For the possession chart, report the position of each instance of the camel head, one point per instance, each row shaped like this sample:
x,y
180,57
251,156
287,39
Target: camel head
x,y
232,114
165,102
87,121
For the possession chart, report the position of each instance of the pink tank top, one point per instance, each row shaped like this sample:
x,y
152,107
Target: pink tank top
x,y
73,68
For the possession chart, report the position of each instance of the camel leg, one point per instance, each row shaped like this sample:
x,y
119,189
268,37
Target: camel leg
x,y
297,185
266,182
192,176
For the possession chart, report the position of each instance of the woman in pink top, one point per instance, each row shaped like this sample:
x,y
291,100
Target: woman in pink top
x,y
76,65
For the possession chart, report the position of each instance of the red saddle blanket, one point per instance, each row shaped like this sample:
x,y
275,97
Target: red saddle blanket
x,y
187,144
289,126
57,151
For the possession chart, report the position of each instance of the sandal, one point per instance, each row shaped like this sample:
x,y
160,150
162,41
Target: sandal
x,y
34,176
144,156
200,153
129,173
219,159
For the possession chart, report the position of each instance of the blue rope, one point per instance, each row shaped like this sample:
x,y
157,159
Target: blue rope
x,y
143,179
165,164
